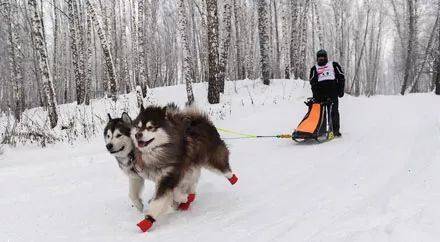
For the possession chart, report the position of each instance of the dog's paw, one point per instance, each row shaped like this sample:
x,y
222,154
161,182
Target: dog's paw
x,y
138,205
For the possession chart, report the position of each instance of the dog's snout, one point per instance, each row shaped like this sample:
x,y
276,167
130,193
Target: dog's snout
x,y
138,135
109,146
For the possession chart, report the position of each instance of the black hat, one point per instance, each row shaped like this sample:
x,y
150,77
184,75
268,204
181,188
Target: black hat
x,y
321,53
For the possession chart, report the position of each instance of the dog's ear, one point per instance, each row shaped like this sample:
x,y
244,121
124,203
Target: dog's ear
x,y
126,118
109,117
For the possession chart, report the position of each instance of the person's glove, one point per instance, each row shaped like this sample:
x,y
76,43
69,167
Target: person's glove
x,y
341,94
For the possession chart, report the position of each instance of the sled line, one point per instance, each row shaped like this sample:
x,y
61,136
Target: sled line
x,y
252,136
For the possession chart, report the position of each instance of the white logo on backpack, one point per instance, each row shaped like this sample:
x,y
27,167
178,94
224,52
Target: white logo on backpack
x,y
326,72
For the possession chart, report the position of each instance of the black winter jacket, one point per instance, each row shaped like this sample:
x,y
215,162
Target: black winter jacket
x,y
329,88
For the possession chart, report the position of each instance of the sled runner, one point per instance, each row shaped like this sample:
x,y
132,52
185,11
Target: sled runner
x,y
317,124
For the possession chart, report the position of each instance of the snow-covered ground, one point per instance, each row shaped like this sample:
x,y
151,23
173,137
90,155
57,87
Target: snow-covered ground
x,y
379,182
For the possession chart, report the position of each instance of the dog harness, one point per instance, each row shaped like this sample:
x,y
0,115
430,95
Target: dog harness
x,y
134,163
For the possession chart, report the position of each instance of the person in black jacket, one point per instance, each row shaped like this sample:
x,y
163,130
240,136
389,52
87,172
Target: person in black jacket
x,y
327,80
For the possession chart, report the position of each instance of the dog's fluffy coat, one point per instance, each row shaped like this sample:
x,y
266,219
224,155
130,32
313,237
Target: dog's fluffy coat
x,y
175,145
169,147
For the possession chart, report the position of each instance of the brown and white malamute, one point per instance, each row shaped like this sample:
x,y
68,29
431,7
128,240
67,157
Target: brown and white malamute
x,y
174,145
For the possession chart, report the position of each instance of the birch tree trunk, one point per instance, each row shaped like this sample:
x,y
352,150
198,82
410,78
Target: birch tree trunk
x,y
16,81
408,73
286,37
106,51
302,72
55,42
40,45
425,57
225,43
276,65
356,81
398,24
187,62
73,20
294,40
88,74
213,82
240,73
319,26
377,54
263,20
141,48
437,74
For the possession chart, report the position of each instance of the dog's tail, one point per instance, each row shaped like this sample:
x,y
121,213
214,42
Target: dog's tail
x,y
172,107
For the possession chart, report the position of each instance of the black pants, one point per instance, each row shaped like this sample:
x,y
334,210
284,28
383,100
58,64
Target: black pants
x,y
335,114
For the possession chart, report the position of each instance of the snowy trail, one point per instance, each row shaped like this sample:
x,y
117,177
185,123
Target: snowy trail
x,y
378,183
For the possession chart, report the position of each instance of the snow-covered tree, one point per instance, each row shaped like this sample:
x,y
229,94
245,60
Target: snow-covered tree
x,y
225,43
15,63
285,46
436,76
212,25
73,29
40,45
263,21
408,76
141,48
105,49
186,59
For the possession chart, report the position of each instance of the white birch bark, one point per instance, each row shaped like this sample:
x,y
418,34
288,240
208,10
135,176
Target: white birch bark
x,y
263,23
187,62
105,49
40,45
212,24
225,43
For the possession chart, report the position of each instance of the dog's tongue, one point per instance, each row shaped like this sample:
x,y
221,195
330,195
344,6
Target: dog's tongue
x,y
144,143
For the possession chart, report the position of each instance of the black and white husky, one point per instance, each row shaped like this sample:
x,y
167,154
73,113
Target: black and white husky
x,y
174,146
120,145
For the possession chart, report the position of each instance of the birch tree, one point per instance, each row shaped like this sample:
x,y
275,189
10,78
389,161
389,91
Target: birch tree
x,y
141,48
408,69
285,50
225,43
106,51
263,34
302,72
40,45
356,80
294,39
88,74
187,62
73,21
319,25
239,67
212,25
17,81
436,76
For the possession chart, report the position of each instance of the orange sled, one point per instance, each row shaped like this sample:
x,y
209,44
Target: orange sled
x,y
315,125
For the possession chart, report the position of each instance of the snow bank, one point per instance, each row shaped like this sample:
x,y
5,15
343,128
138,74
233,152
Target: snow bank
x,y
84,122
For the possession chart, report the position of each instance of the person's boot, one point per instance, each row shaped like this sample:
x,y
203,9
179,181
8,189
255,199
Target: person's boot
x,y
337,134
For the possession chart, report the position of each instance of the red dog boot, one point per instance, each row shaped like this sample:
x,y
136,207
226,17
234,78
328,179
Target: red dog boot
x,y
146,224
184,206
190,199
233,179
